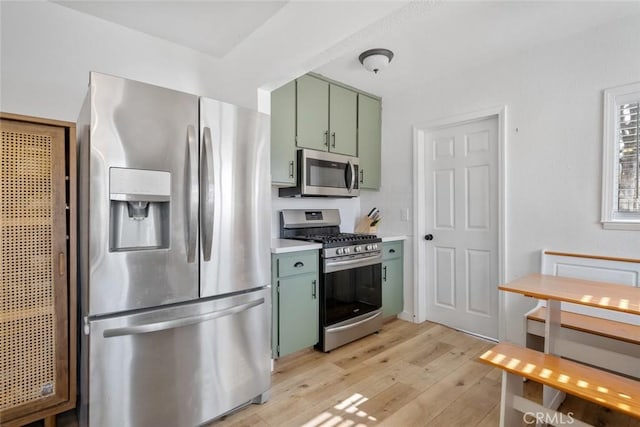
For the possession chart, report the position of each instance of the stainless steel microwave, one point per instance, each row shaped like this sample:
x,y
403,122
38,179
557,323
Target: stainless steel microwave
x,y
322,174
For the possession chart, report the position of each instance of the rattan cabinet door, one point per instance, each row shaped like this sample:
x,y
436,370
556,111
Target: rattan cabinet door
x,y
34,341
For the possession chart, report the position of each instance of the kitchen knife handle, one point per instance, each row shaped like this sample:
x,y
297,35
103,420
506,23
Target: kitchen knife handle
x,y
207,195
192,195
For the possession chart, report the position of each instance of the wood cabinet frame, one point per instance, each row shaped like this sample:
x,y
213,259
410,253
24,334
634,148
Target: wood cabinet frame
x,y
64,254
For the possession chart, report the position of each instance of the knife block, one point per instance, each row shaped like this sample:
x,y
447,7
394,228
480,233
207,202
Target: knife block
x,y
364,226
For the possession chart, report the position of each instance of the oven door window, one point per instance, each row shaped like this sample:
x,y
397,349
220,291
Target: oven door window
x,y
350,293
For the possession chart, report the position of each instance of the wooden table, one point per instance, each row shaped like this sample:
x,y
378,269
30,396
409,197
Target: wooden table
x,y
556,289
585,292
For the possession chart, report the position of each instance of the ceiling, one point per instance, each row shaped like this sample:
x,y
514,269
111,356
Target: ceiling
x,y
451,37
211,27
271,42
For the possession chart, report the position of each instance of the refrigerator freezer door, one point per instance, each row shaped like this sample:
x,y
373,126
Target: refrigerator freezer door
x,y
179,366
235,198
142,164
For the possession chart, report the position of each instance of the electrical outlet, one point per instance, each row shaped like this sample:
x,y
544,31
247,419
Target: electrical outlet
x,y
404,214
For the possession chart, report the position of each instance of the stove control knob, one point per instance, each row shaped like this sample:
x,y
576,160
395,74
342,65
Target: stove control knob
x,y
357,249
339,251
368,247
347,250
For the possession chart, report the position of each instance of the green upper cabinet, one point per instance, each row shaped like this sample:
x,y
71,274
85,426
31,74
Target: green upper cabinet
x,y
283,134
343,119
369,136
312,113
316,113
326,116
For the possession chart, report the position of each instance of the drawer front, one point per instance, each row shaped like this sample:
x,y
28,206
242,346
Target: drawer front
x,y
297,263
165,379
392,250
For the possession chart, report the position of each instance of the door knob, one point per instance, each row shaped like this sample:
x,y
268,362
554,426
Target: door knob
x,y
428,237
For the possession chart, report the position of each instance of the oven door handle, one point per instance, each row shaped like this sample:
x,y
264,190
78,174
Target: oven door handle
x,y
353,325
334,266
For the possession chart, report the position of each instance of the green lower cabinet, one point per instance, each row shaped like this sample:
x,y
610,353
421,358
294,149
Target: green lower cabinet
x,y
295,302
392,279
298,313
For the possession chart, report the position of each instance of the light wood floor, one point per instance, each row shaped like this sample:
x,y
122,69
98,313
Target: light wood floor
x,y
407,375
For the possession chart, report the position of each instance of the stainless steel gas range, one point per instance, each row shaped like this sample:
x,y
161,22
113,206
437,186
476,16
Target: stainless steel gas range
x,y
350,279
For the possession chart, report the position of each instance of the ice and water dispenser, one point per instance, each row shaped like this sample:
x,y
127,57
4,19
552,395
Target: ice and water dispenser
x,y
139,212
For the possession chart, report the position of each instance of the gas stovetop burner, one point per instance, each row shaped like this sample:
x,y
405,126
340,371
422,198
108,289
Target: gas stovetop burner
x,y
338,238
323,226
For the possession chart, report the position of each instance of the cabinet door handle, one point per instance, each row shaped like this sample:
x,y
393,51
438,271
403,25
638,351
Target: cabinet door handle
x,y
361,176
291,169
326,138
384,273
333,135
313,289
298,264
61,264
392,251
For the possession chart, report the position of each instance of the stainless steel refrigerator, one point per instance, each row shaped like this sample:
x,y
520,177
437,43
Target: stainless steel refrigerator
x,y
174,247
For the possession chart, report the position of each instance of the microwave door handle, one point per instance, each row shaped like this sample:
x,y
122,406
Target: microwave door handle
x,y
350,176
207,195
192,195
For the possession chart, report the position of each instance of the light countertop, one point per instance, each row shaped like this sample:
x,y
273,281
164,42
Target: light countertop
x,y
392,238
281,246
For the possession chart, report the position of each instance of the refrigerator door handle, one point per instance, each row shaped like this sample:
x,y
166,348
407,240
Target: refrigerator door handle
x,y
192,198
207,195
180,322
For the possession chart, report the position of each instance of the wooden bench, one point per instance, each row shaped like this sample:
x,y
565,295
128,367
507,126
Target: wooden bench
x,y
592,384
592,325
603,338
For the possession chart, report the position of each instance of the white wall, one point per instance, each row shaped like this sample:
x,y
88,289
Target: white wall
x,y
44,72
349,209
554,145
48,50
553,92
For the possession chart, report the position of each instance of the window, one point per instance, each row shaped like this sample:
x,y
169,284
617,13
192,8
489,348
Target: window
x,y
621,158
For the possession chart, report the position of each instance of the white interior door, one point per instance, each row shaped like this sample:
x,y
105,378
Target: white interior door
x,y
462,223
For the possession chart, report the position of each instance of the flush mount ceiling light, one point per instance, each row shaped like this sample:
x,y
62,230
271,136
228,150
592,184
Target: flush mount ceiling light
x,y
375,59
